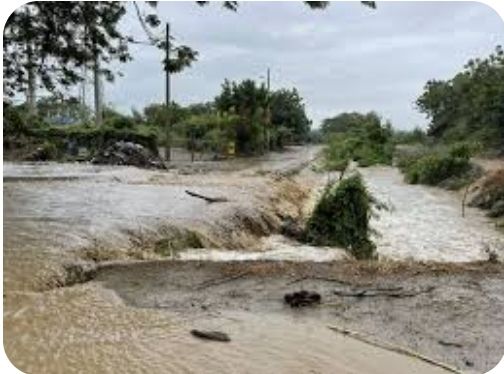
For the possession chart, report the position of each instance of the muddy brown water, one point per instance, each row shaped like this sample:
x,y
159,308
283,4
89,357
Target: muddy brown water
x,y
54,211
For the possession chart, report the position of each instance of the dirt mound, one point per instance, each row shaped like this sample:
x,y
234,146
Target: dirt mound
x,y
488,193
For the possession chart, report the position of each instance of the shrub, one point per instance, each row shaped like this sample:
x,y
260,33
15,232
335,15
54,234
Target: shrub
x,y
120,122
341,218
50,150
448,167
434,169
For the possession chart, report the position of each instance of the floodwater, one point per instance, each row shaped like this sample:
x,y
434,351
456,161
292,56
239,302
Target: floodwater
x,y
426,223
54,211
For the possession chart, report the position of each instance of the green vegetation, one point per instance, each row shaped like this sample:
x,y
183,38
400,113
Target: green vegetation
x,y
341,218
445,166
470,106
207,132
35,136
357,137
245,117
288,117
416,136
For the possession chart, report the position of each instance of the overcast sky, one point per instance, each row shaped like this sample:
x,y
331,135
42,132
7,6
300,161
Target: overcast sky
x,y
344,58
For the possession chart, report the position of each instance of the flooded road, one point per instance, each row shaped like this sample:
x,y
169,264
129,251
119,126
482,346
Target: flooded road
x,y
73,216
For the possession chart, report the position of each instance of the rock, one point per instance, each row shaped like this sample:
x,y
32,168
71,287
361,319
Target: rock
x,y
127,153
211,335
302,298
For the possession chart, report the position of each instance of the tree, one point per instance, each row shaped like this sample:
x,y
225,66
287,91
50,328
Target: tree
x,y
249,101
359,137
51,41
38,42
287,111
470,105
345,122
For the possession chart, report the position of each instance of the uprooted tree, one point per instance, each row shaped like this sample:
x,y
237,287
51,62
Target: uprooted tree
x,y
341,218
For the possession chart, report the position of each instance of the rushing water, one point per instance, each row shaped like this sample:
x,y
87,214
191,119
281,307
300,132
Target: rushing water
x,y
53,210
426,223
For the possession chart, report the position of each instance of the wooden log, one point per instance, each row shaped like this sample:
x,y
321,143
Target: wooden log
x,y
211,335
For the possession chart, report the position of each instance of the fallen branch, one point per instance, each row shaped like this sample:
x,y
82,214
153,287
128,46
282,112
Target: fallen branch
x,y
218,281
396,292
206,198
211,335
392,348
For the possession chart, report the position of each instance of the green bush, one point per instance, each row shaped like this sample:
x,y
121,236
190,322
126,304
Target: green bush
x,y
120,122
50,150
17,121
343,148
434,168
341,218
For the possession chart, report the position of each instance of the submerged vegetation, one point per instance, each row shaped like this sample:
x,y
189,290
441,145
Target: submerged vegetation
x,y
341,218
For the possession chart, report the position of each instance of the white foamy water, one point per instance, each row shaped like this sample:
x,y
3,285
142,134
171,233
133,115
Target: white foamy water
x,y
426,223
274,248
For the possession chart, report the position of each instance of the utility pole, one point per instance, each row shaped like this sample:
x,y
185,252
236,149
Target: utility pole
x,y
268,80
267,120
168,93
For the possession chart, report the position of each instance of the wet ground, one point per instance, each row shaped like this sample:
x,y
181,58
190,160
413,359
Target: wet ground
x,y
452,313
85,287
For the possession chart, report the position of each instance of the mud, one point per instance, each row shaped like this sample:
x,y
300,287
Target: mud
x,y
458,322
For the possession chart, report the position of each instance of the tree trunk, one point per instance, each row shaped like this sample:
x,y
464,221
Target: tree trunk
x,y
31,100
97,93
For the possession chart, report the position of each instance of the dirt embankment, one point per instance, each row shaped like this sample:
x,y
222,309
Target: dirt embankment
x,y
488,192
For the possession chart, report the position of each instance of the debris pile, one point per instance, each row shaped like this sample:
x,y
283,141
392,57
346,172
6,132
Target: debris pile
x,y
128,153
302,298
